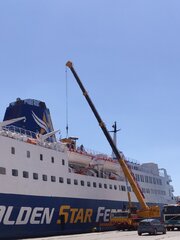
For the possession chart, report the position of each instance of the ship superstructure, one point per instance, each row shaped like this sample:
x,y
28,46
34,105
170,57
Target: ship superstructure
x,y
52,187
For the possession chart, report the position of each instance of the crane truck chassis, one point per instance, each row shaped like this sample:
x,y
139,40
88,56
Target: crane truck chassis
x,y
124,220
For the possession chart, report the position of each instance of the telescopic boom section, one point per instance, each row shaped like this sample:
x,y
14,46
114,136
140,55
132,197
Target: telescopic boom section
x,y
145,211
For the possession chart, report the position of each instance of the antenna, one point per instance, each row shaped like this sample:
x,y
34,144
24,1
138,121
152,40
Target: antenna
x,y
115,130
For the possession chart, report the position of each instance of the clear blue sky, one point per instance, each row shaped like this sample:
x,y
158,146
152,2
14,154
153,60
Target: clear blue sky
x,y
127,53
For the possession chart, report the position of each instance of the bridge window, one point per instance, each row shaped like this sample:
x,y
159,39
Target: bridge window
x,y
88,184
63,162
100,185
52,159
82,183
105,185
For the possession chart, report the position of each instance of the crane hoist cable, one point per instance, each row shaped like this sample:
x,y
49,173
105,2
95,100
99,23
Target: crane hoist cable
x,y
67,104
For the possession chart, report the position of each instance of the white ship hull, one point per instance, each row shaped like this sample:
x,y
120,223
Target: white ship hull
x,y
47,189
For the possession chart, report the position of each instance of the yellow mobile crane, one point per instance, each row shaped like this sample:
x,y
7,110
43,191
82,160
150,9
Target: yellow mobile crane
x,y
145,211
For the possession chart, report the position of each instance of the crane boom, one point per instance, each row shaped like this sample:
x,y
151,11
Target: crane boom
x,y
145,210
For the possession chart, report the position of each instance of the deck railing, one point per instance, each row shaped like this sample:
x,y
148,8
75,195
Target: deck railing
x,y
28,136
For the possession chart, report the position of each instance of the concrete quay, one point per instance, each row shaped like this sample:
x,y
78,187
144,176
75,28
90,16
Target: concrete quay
x,y
116,235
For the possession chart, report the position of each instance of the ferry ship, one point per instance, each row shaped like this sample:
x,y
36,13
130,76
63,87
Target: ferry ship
x,y
53,187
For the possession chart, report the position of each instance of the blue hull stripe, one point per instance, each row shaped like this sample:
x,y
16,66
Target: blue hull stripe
x,y
24,216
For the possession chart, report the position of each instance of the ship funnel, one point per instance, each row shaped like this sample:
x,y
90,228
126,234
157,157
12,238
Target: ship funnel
x,y
37,115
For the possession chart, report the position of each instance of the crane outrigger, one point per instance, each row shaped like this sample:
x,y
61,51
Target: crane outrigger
x,y
145,211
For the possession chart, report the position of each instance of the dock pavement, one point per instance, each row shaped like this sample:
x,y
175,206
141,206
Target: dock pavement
x,y
115,235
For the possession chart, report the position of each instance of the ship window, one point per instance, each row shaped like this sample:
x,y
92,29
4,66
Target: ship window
x,y
52,159
94,184
150,179
44,177
75,182
135,168
63,162
115,187
15,172
2,170
110,186
68,181
28,154
100,185
123,188
41,157
25,174
137,177
82,183
105,185
147,190
35,176
154,180
53,178
12,150
142,178
157,180
129,188
88,184
61,180
146,179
